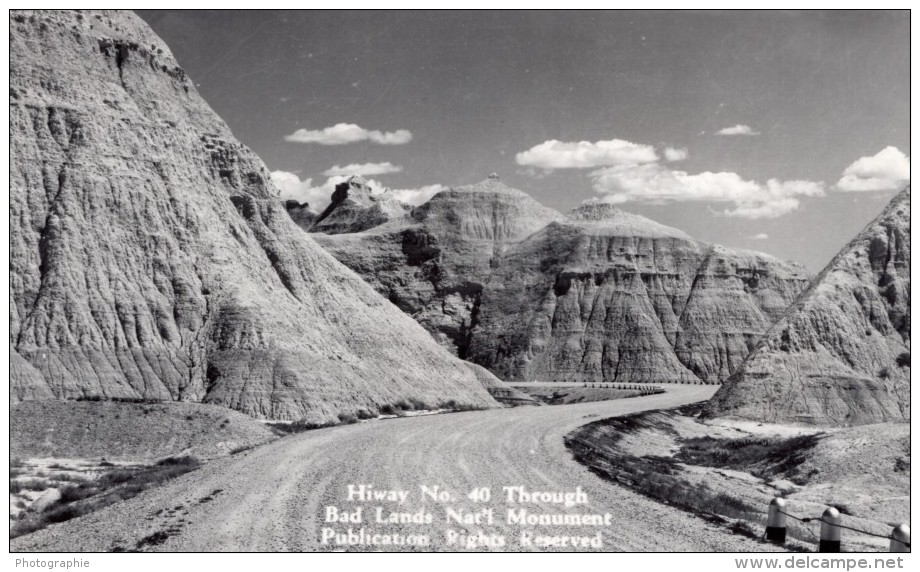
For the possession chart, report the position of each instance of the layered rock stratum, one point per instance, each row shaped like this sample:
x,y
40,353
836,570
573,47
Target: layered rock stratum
x,y
841,354
150,255
598,294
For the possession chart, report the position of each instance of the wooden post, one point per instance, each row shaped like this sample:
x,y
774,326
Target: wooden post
x,y
900,539
776,521
830,532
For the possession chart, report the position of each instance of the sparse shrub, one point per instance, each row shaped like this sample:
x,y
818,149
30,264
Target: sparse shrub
x,y
903,359
347,418
417,404
155,539
365,414
744,529
295,427
387,409
884,373
185,461
17,486
73,493
117,477
68,478
241,449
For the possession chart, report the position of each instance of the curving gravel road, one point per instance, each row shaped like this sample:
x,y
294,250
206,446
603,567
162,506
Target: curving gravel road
x,y
274,497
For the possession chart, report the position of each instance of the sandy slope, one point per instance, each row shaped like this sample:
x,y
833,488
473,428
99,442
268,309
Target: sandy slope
x,y
272,497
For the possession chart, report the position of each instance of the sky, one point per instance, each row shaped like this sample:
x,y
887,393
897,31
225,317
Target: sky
x,y
784,132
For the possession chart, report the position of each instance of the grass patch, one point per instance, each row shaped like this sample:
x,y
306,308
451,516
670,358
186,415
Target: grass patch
x,y
17,486
760,456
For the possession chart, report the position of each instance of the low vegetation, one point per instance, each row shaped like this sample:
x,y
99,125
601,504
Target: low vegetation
x,y
660,477
80,495
398,409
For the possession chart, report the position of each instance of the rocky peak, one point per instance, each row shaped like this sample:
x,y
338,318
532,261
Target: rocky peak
x,y
355,189
491,185
841,354
601,218
595,210
488,210
356,206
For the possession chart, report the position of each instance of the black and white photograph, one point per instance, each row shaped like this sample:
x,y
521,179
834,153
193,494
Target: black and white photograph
x,y
386,280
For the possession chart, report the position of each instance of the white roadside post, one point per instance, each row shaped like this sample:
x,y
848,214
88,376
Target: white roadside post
x,y
776,521
830,531
900,539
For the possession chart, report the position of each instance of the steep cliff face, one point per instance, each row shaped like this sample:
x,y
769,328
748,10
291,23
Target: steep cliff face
x,y
841,354
433,264
597,295
356,207
613,296
151,257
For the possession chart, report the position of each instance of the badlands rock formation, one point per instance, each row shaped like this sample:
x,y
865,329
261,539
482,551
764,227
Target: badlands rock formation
x,y
841,353
355,207
302,213
150,255
595,295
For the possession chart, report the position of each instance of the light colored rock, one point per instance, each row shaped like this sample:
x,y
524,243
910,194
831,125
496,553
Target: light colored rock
x,y
598,295
151,256
833,359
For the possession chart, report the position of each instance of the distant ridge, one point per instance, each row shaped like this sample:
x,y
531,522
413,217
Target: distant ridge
x,y
599,294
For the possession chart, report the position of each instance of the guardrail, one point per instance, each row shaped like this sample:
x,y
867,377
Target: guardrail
x,y
644,388
831,528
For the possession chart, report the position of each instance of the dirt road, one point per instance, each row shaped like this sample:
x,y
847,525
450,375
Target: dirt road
x,y
275,497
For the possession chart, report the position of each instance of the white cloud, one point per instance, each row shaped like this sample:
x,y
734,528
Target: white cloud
x,y
303,191
554,154
363,169
417,196
654,183
344,133
675,154
887,170
737,130
759,236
